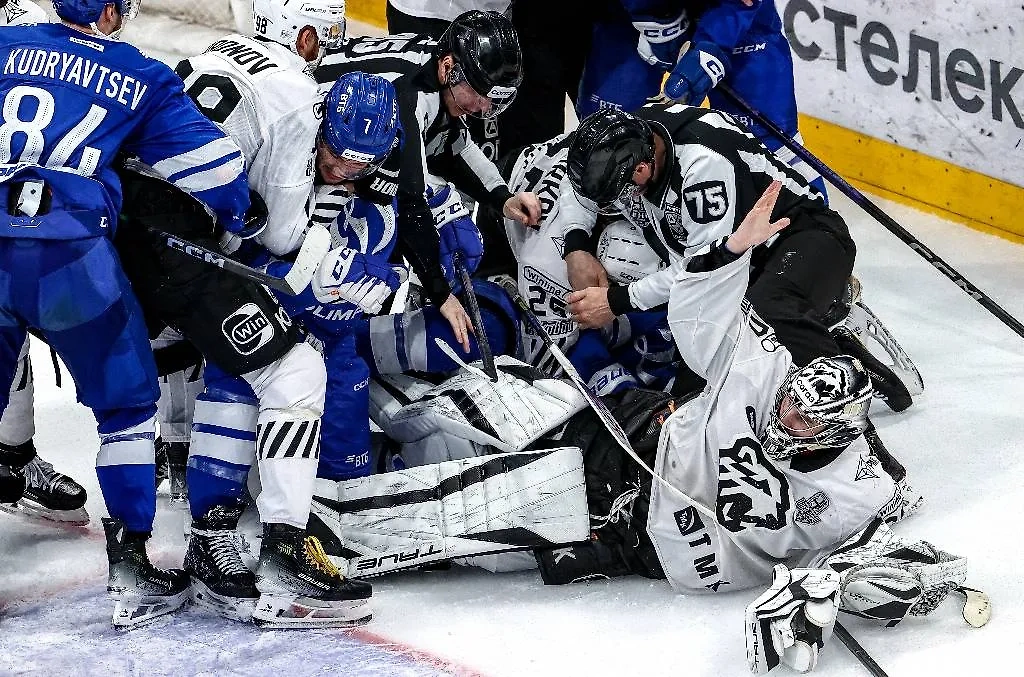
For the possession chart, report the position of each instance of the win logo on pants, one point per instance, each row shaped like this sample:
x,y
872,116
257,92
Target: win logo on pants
x,y
248,329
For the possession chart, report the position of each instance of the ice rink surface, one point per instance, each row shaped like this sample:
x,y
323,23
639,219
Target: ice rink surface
x,y
960,442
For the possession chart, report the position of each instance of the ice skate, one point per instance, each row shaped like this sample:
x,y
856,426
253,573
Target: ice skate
x,y
49,495
141,592
220,580
171,460
300,587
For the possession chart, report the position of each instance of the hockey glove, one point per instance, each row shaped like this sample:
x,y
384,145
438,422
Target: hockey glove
x,y
699,68
456,230
255,223
661,40
885,578
791,621
346,275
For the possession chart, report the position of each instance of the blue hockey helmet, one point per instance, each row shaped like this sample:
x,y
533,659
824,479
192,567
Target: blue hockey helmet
x,y
360,122
87,12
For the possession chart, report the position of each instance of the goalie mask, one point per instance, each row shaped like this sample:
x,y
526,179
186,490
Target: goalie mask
x,y
821,406
281,21
88,12
359,129
603,154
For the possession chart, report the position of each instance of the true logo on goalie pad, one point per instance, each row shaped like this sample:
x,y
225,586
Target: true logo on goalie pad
x,y
248,329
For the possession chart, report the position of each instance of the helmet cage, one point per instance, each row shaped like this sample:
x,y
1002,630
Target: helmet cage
x,y
832,396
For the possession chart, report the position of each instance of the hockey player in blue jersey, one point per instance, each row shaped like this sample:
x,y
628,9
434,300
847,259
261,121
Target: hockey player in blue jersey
x,y
699,43
73,97
359,130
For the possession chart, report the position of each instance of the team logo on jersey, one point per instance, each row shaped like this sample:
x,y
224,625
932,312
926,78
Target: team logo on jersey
x,y
318,109
248,329
13,12
809,510
867,468
752,492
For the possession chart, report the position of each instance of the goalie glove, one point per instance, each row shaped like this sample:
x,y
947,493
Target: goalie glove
x,y
699,68
456,230
885,578
791,621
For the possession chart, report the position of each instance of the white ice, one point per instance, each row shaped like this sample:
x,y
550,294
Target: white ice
x,y
960,443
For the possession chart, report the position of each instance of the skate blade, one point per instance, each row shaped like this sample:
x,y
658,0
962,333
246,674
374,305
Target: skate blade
x,y
236,608
33,512
133,613
864,324
287,612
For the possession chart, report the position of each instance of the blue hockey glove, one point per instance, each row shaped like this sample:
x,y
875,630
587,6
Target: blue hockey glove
x,y
661,40
699,69
457,232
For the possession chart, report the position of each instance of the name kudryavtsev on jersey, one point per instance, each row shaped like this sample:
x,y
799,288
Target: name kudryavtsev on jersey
x,y
66,115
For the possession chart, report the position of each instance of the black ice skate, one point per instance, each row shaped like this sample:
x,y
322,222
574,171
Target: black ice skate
x,y
140,591
171,460
48,494
300,587
220,581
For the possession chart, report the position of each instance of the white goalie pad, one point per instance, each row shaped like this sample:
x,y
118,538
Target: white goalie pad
x,y
476,506
508,414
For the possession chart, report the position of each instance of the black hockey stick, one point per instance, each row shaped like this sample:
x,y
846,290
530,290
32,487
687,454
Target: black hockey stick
x,y
478,321
874,210
314,246
859,652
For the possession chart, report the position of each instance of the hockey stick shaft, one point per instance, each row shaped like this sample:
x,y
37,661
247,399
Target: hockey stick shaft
x,y
313,249
858,651
478,321
874,210
602,411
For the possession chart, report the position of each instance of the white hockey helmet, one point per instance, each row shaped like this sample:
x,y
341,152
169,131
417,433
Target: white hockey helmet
x,y
623,251
281,21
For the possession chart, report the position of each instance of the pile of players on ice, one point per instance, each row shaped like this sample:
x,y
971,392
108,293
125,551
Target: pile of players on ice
x,y
266,212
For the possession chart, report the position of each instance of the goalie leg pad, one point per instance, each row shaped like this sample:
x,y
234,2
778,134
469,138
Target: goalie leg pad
x,y
454,509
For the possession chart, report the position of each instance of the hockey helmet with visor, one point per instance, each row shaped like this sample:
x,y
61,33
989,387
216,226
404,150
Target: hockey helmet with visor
x,y
603,155
360,124
281,21
88,12
487,56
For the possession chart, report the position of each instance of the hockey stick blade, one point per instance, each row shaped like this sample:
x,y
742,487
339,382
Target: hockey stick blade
x,y
859,652
595,402
977,609
482,341
313,249
450,352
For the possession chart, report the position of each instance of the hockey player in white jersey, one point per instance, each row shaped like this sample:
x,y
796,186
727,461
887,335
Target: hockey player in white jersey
x,y
259,90
686,176
474,69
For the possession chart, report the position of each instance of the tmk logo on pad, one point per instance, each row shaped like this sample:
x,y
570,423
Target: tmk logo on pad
x,y
248,329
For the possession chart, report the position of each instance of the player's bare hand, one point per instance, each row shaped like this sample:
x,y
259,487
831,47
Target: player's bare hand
x,y
457,317
585,270
589,307
524,208
757,226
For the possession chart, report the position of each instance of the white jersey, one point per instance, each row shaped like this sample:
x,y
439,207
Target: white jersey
x,y
767,511
446,9
260,94
21,12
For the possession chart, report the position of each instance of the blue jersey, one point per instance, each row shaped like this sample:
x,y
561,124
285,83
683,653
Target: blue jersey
x,y
71,102
726,23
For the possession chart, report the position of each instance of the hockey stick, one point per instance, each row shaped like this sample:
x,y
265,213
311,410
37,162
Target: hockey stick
x,y
315,245
874,210
859,652
478,321
606,416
